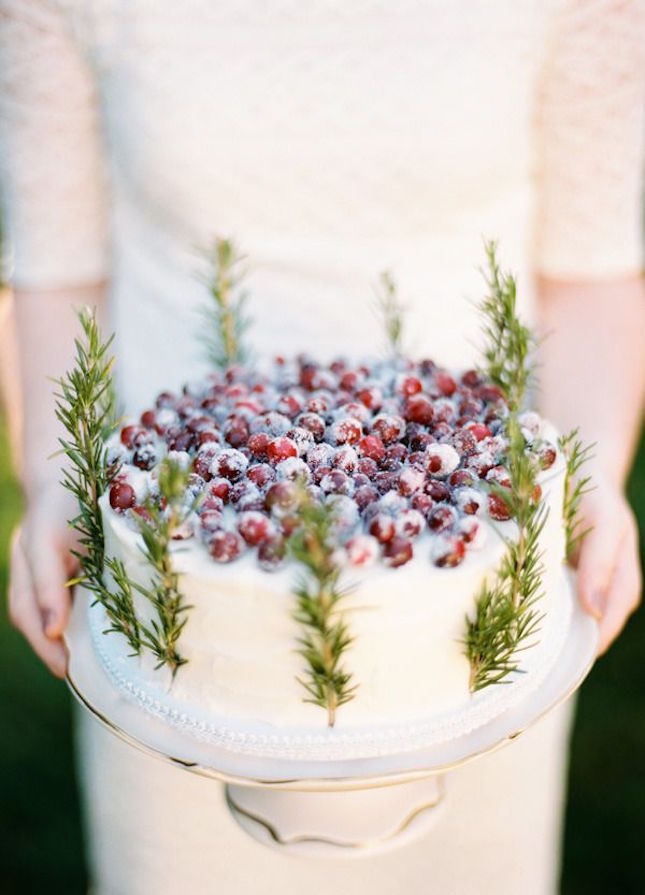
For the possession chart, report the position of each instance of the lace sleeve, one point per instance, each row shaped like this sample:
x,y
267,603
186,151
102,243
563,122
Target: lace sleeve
x,y
50,158
591,128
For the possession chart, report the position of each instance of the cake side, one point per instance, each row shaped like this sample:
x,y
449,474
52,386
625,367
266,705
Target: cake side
x,y
240,640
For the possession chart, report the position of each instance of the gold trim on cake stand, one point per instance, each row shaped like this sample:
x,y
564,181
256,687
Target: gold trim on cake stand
x,y
325,822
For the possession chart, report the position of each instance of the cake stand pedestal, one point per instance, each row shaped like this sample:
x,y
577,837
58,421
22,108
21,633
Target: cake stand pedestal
x,y
336,807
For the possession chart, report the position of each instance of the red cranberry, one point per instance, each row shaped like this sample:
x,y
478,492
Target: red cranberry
x,y
362,550
225,546
411,479
148,419
289,405
422,502
336,482
281,448
395,454
230,463
365,495
371,446
346,431
271,553
409,523
498,507
461,477
445,383
254,527
547,456
281,497
145,456
371,397
471,378
382,528
367,467
448,551
479,430
419,409
387,480
397,551
236,432
206,436
133,435
417,459
491,394
183,441
122,496
438,491
409,385
388,427
261,474
313,423
442,518
349,380
258,443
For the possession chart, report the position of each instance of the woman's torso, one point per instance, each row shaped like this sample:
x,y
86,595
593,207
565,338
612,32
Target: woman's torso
x,y
330,141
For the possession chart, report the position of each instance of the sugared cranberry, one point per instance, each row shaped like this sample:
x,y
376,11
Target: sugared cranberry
x,y
547,455
320,455
411,480
122,496
438,491
441,518
409,385
441,459
471,378
258,444
210,520
206,436
419,409
461,477
145,456
292,469
469,500
367,467
481,463
371,446
388,427
220,487
181,441
271,553
448,551
261,474
133,435
236,431
471,531
346,459
255,527
395,455
397,551
409,523
362,550
479,430
281,448
464,441
281,497
302,438
225,546
229,463
371,397
386,480
346,431
313,423
289,405
498,507
364,495
445,383
382,528
336,482
423,503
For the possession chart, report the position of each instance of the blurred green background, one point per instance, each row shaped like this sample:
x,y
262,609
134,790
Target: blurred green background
x,y
40,837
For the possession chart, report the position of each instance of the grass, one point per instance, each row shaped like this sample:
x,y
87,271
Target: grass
x,y
40,835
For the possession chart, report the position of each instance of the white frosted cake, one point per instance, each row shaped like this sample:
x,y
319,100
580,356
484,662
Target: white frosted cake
x,y
406,454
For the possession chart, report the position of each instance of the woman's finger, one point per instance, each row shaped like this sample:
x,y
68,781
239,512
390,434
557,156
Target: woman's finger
x,y
623,595
49,573
25,613
596,563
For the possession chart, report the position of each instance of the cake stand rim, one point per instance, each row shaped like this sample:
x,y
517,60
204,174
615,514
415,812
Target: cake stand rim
x,y
386,777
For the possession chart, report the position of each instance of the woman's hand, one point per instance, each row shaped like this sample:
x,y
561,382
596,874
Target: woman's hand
x,y
609,576
41,563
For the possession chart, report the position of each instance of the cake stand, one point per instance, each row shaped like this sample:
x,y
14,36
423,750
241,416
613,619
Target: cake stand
x,y
336,807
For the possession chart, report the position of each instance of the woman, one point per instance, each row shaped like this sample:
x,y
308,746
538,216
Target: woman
x,y
332,141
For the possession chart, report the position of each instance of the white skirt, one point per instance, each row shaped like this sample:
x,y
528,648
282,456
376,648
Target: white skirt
x,y
154,829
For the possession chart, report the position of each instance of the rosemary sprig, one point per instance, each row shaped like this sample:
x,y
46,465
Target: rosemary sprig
x,y
326,635
508,342
506,614
224,318
165,516
576,455
85,407
391,312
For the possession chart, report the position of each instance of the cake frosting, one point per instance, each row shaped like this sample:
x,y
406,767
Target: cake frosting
x,y
406,608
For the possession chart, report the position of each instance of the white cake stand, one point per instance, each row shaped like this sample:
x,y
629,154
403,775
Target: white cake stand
x,y
352,806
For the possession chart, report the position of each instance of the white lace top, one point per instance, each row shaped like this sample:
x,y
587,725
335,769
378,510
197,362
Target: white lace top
x,y
331,139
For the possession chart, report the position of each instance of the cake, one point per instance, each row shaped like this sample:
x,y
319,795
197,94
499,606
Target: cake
x,y
411,459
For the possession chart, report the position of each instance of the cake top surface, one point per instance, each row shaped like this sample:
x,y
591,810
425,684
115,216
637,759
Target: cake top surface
x,y
406,453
